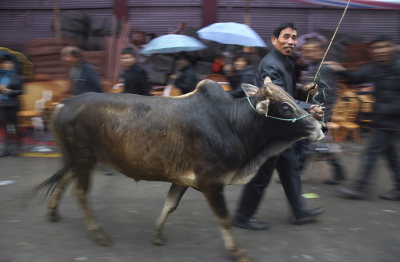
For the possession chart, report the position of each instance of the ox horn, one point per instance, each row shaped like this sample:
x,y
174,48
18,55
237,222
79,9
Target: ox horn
x,y
266,90
267,80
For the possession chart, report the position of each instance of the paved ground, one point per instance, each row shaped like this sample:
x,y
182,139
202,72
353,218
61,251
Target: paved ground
x,y
349,231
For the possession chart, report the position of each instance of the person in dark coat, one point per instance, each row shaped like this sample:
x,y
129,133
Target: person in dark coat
x,y
135,77
243,72
83,76
313,50
384,72
185,77
10,89
280,68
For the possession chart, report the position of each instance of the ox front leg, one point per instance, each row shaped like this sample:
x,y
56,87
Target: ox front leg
x,y
215,197
174,196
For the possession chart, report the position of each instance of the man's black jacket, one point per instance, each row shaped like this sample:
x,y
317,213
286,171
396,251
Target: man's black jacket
x,y
280,69
135,81
86,79
386,110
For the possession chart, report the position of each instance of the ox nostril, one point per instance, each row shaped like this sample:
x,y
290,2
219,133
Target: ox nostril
x,y
324,128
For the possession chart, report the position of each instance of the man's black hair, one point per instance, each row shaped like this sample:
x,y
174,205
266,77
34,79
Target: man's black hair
x,y
382,38
76,52
281,26
128,50
7,58
317,42
242,55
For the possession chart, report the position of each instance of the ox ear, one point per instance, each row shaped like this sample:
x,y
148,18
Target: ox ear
x,y
249,89
262,107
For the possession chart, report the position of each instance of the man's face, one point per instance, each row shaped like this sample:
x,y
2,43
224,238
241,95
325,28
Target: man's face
x,y
240,63
383,52
69,59
127,60
312,52
286,42
7,65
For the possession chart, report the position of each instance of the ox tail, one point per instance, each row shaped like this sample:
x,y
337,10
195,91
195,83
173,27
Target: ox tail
x,y
50,184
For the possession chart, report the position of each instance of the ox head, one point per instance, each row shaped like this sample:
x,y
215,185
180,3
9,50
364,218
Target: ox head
x,y
273,102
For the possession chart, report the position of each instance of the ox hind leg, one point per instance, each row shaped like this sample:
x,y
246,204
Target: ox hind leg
x,y
52,207
175,194
81,189
216,199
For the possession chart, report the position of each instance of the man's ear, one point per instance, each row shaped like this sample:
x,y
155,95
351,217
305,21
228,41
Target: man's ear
x,y
249,89
262,107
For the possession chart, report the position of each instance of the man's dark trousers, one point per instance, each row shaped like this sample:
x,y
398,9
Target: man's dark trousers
x,y
382,142
286,166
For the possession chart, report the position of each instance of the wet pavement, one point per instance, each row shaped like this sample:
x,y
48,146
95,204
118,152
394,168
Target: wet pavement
x,y
349,231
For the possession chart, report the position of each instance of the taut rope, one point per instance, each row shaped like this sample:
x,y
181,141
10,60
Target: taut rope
x,y
329,46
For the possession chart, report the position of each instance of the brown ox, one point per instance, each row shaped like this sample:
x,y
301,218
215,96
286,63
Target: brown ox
x,y
204,140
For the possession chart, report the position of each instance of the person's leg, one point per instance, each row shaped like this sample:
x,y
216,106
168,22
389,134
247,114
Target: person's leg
x,y
291,184
6,120
377,145
392,155
251,197
13,122
290,179
338,171
300,149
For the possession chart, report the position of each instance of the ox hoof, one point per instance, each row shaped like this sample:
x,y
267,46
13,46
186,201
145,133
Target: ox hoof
x,y
158,240
99,237
53,216
239,255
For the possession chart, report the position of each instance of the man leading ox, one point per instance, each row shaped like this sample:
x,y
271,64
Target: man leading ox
x,y
280,68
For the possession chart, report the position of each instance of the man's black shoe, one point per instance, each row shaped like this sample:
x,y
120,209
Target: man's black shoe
x,y
334,181
350,193
5,154
393,195
307,215
250,224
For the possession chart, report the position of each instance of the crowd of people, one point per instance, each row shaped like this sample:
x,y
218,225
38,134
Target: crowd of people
x,y
280,66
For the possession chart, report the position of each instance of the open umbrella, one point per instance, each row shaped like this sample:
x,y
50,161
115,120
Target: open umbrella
x,y
231,33
172,43
374,4
24,66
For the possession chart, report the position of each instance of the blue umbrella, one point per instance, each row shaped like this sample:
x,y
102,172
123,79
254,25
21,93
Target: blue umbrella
x,y
172,43
231,33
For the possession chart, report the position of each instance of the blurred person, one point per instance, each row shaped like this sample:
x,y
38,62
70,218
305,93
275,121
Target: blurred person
x,y
185,77
280,68
313,51
384,72
218,65
135,77
10,89
242,72
83,76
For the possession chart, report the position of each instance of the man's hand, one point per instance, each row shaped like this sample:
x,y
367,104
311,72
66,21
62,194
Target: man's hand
x,y
173,77
334,66
4,89
317,111
311,87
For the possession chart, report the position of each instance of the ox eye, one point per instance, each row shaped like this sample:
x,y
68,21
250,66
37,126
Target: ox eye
x,y
285,110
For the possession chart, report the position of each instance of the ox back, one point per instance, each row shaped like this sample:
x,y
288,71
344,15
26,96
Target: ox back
x,y
205,140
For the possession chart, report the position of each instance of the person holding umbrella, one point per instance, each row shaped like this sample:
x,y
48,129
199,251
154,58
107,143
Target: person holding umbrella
x,y
10,89
278,65
185,77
